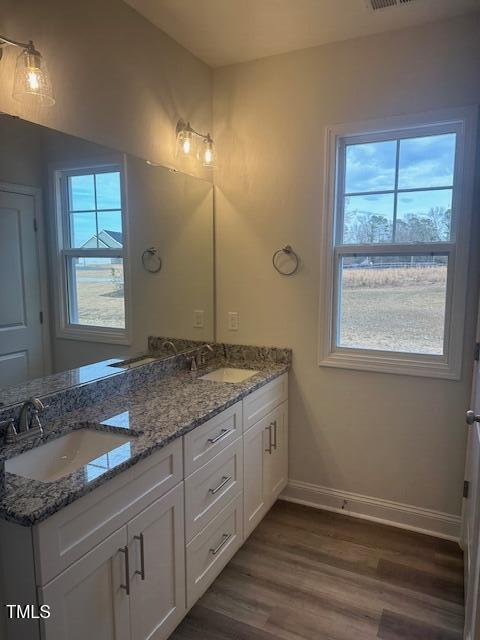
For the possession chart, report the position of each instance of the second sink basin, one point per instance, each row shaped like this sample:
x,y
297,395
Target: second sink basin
x,y
229,374
96,451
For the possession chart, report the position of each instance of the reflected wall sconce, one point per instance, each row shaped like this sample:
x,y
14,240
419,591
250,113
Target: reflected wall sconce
x,y
31,81
193,144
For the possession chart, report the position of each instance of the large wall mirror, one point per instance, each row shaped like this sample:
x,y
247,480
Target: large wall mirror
x,y
98,251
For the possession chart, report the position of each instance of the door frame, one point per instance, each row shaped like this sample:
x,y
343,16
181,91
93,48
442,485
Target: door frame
x,y
41,238
463,538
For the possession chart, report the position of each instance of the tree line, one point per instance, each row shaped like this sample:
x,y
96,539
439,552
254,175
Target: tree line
x,y
369,228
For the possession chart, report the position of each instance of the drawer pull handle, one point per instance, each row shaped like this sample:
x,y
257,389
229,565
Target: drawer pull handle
x,y
269,429
274,424
141,573
224,481
221,435
126,586
225,538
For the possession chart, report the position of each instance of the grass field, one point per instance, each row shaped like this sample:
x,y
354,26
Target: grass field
x,y
100,296
388,309
394,309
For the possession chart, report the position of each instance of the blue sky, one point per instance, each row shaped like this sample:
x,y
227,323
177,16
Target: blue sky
x,y
82,201
423,163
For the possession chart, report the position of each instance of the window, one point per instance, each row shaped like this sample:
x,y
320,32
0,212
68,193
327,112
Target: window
x,y
91,253
397,250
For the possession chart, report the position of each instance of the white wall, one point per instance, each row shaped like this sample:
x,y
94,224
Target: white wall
x,y
20,152
118,80
392,437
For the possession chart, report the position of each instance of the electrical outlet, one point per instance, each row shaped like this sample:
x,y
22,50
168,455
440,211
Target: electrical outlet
x,y
198,319
233,320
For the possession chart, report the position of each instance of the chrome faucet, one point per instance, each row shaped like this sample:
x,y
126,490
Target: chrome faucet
x,y
198,361
28,419
169,343
28,424
201,358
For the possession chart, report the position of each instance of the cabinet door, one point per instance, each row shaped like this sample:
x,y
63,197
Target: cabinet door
x,y
277,463
157,542
255,474
87,600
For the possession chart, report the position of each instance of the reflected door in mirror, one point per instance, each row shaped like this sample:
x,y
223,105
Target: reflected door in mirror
x,y
21,342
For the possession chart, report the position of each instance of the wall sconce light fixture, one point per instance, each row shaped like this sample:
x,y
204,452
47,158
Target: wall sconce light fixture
x,y
31,80
193,144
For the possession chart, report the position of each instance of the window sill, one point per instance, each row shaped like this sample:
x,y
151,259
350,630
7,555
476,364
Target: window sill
x,y
400,364
95,334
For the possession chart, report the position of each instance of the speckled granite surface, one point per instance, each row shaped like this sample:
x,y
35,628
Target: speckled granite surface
x,y
57,382
159,408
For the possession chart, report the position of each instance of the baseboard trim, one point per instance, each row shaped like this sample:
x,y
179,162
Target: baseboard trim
x,y
395,514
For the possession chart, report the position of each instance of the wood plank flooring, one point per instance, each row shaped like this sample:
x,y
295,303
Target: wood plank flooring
x,y
306,574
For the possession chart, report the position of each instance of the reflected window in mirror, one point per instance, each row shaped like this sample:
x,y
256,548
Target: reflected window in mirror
x,y
91,252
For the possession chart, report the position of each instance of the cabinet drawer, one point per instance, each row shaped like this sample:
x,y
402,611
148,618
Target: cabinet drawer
x,y
263,400
204,442
74,530
210,551
212,487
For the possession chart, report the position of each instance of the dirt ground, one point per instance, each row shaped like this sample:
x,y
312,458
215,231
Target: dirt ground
x,y
394,309
100,299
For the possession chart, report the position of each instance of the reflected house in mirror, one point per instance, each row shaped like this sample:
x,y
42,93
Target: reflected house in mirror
x,y
75,218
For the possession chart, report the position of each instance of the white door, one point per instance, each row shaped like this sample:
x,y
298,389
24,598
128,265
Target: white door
x,y
157,542
89,600
21,336
471,510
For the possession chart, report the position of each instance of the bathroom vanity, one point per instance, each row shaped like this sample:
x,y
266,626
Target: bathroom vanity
x,y
124,550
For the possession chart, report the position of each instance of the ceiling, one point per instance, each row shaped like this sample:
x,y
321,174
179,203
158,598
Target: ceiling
x,y
222,32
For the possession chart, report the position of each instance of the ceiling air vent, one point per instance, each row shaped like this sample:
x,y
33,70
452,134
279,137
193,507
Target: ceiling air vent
x,y
378,5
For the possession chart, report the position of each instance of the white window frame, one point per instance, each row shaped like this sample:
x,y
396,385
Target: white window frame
x,y
65,329
463,122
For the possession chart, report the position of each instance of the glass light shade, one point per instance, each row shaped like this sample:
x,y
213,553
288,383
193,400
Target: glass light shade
x,y
208,152
32,81
185,144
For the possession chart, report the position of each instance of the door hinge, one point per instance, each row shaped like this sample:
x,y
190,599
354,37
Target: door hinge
x,y
477,351
466,486
35,226
41,317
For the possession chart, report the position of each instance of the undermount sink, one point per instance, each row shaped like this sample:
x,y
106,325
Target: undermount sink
x,y
96,451
229,374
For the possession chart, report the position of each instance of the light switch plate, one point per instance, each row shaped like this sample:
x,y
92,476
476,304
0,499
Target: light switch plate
x,y
233,320
198,319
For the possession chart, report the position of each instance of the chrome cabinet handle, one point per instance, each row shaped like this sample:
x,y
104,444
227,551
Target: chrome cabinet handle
x,y
274,424
225,538
223,482
141,573
222,434
126,586
269,429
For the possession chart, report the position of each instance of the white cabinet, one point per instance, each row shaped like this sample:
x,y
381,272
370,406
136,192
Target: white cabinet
x,y
131,586
211,549
68,534
212,487
88,600
255,476
265,465
124,561
157,570
277,454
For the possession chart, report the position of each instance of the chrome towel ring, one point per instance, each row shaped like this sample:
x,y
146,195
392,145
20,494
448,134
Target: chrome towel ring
x,y
151,261
287,251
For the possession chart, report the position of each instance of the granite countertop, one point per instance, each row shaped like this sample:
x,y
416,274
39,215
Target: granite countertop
x,y
153,415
